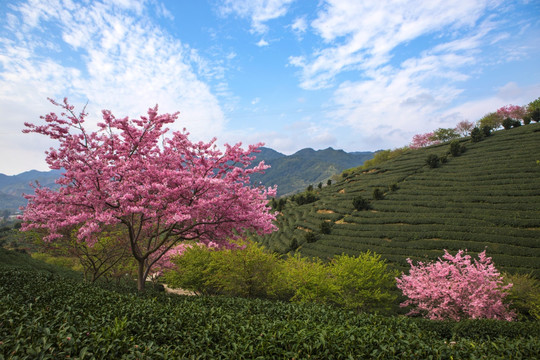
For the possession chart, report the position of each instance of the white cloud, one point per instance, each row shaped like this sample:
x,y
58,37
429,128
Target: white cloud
x,y
262,43
299,26
111,55
258,11
362,35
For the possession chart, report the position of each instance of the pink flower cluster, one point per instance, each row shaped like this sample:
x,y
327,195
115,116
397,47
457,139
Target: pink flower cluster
x,y
514,112
456,288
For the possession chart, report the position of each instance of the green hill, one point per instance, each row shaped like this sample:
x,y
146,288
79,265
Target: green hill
x,y
486,198
294,173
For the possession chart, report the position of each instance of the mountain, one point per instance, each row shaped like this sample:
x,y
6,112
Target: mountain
x,y
485,198
12,187
293,173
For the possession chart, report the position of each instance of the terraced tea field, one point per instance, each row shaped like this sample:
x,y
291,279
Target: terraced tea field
x,y
486,198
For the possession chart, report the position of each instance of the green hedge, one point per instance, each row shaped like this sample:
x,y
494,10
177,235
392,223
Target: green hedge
x,y
45,316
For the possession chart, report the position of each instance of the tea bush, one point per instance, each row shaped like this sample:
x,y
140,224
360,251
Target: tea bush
x,y
46,316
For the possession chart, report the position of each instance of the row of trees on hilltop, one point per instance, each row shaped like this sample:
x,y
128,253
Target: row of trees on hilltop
x,y
508,116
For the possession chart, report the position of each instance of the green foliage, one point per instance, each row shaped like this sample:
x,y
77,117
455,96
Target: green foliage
x,y
309,188
456,148
477,134
193,271
445,135
383,156
491,120
310,237
248,271
306,197
486,130
364,282
45,316
433,161
509,123
325,227
378,194
360,203
329,182
524,295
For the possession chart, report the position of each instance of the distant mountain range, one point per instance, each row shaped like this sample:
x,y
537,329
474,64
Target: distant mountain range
x,y
291,173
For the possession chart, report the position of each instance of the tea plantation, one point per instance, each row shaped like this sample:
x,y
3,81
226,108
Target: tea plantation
x,y
46,313
487,197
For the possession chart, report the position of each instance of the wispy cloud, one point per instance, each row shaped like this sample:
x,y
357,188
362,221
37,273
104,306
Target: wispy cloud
x,y
129,64
258,11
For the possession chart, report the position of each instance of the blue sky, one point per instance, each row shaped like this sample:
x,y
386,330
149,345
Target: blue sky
x,y
348,74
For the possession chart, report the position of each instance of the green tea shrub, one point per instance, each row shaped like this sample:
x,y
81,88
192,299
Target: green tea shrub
x,y
378,194
477,134
310,237
360,203
433,161
456,148
325,227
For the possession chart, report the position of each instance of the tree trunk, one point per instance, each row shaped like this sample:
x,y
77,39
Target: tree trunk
x,y
140,275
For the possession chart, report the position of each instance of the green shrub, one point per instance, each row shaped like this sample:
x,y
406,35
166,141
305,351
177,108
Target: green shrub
x,y
247,272
524,295
310,237
378,194
360,203
433,161
363,282
477,134
306,280
456,148
325,227
192,271
486,130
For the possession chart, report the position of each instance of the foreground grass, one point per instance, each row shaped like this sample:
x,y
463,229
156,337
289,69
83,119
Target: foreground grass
x,y
46,315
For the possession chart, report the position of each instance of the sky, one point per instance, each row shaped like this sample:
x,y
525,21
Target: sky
x,y
348,74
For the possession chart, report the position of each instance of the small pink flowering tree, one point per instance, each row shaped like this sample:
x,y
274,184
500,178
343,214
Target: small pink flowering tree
x,y
514,112
455,288
423,140
160,187
464,128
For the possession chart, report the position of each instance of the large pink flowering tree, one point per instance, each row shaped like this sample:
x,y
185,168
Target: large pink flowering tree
x,y
514,112
159,186
455,287
423,140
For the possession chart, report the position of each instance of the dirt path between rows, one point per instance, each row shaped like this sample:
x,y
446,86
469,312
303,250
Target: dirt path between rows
x,y
178,291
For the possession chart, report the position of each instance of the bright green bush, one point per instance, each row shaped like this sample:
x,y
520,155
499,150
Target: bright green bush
x,y
364,283
192,271
524,295
306,280
249,271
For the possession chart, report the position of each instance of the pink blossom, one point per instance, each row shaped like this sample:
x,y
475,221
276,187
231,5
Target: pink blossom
x,y
159,186
423,140
455,287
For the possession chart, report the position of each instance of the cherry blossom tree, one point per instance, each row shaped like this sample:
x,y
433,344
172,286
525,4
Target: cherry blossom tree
x,y
455,288
159,186
513,112
464,128
423,140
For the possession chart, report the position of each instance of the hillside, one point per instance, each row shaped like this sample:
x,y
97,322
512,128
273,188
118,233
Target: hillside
x,y
293,173
486,198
